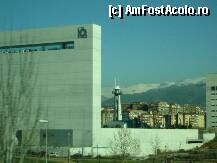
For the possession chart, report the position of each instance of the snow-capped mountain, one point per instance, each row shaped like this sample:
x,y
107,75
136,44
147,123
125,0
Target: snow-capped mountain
x,y
189,91
144,87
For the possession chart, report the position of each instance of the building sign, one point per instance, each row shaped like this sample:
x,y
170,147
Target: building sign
x,y
82,32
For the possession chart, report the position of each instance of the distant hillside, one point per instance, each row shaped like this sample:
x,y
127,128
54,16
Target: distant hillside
x,y
103,98
180,94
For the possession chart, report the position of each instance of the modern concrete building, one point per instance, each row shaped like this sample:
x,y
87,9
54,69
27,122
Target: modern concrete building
x,y
211,101
69,73
68,61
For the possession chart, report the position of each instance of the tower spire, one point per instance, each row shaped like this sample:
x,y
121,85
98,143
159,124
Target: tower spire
x,y
117,101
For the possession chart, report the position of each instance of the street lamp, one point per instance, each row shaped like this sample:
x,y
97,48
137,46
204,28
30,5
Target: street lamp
x,y
69,146
45,121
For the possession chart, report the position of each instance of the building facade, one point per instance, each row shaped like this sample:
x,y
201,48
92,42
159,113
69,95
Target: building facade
x,y
69,73
107,115
211,101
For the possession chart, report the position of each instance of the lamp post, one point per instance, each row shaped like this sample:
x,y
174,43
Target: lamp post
x,y
45,121
69,147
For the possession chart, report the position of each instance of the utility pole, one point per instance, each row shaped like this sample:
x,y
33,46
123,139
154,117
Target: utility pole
x,y
68,147
46,152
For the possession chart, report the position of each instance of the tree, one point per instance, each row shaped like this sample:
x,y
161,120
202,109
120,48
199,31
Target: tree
x,y
155,144
19,105
123,144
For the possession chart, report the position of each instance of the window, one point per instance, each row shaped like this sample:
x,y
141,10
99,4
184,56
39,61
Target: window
x,y
68,45
213,88
194,141
53,47
37,47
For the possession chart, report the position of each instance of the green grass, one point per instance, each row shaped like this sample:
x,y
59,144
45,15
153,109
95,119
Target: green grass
x,y
39,160
64,160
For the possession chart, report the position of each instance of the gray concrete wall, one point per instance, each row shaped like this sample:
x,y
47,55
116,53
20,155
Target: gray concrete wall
x,y
169,139
69,79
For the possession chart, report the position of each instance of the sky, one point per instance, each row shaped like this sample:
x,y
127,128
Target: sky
x,y
135,49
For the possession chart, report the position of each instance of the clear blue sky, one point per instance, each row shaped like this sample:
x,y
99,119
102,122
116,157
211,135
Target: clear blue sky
x,y
137,49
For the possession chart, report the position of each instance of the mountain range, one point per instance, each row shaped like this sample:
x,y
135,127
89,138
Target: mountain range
x,y
189,91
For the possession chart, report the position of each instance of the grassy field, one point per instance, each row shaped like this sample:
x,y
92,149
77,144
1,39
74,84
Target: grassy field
x,y
207,153
64,160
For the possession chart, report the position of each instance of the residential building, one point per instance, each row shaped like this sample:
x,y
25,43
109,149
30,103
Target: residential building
x,y
211,101
107,115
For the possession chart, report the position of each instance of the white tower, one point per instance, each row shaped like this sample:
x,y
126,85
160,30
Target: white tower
x,y
117,102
